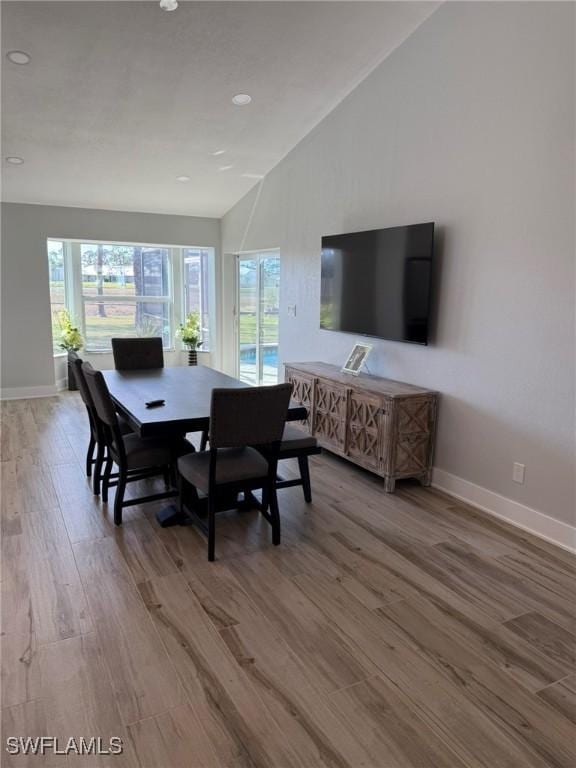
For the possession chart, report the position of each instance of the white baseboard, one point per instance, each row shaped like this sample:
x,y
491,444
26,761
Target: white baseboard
x,y
23,393
61,384
526,518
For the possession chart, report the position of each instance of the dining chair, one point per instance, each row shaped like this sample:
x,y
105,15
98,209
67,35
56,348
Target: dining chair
x,y
75,364
136,458
297,444
246,428
72,356
96,451
137,353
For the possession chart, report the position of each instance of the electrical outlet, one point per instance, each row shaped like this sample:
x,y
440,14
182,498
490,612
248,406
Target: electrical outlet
x,y
518,472
291,310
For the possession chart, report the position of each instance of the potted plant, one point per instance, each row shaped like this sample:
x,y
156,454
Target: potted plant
x,y
71,341
189,332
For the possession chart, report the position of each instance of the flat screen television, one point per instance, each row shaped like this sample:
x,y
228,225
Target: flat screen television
x,y
377,283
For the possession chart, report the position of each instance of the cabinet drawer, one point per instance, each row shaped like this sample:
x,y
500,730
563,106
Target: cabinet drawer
x,y
330,399
414,415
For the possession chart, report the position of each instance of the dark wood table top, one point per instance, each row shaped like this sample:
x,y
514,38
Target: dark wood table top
x,y
186,390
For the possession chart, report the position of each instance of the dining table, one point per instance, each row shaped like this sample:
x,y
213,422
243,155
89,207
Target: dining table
x,y
186,393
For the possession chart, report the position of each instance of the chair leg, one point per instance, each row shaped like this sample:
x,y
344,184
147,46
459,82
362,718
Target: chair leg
x,y
275,515
98,469
90,456
211,527
166,475
119,498
106,480
265,499
204,440
305,476
180,485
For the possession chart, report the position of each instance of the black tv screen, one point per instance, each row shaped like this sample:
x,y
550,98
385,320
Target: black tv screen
x,y
377,283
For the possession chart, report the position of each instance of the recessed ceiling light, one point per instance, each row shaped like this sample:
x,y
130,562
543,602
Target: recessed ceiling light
x,y
183,179
225,167
14,160
218,152
18,57
168,5
241,99
252,175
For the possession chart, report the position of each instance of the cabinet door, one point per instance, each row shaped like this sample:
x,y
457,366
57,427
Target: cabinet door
x,y
363,430
331,398
330,414
414,415
414,436
412,455
302,393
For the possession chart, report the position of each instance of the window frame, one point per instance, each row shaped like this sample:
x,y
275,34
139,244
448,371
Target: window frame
x,y
75,299
67,281
211,291
84,298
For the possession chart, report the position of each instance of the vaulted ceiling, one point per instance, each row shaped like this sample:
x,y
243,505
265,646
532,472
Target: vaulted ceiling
x,y
121,98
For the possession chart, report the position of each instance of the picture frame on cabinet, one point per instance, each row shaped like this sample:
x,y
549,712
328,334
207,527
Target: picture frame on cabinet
x,y
357,358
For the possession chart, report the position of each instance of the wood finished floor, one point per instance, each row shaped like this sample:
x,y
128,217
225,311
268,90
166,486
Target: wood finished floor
x,y
403,631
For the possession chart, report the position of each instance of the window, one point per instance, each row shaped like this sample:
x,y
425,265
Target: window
x,y
124,289
196,271
125,292
57,288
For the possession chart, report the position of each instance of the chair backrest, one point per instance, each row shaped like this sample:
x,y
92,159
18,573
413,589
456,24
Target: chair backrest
x,y
80,380
77,364
252,416
100,396
138,353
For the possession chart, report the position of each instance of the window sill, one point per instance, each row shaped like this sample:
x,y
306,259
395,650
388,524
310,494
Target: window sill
x,y
59,355
109,351
165,349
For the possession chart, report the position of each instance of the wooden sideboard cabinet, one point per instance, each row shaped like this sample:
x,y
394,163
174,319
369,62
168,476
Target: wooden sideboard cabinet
x,y
383,425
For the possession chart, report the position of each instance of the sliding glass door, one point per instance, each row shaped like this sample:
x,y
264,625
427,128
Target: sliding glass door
x,y
258,280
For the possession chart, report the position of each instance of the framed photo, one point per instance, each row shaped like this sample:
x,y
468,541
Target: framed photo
x,y
356,359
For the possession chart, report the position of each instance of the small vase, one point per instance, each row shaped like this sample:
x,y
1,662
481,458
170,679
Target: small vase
x,y
192,357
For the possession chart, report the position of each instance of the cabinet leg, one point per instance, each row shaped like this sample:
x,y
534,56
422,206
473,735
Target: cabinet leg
x,y
389,484
426,478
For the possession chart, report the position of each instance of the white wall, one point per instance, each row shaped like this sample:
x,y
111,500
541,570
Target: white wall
x,y
470,123
27,361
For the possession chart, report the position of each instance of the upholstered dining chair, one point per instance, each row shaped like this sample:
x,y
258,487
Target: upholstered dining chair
x,y
96,451
137,353
246,428
135,457
75,363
